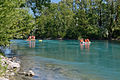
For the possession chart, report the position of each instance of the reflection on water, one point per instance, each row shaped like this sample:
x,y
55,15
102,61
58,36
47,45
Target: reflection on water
x,y
85,46
31,44
81,46
70,60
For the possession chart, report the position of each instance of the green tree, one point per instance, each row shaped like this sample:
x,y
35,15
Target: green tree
x,y
14,20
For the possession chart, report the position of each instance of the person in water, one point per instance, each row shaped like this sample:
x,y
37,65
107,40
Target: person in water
x,y
81,40
87,40
29,38
33,38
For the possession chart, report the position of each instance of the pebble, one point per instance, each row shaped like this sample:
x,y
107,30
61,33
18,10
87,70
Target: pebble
x,y
30,73
4,78
12,66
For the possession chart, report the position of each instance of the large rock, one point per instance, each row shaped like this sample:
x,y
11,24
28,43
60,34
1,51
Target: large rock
x,y
30,73
13,65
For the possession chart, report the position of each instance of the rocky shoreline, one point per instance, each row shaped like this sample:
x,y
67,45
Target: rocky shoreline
x,y
10,67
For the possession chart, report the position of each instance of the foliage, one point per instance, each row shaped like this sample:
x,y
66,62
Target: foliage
x,y
55,22
62,21
37,5
68,19
94,19
15,21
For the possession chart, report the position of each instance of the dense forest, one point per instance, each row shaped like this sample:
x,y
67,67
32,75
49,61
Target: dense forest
x,y
68,19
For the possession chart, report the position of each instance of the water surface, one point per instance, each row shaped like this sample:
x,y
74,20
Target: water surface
x,y
70,60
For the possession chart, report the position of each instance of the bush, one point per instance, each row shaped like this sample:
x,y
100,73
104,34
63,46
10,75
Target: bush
x,y
80,37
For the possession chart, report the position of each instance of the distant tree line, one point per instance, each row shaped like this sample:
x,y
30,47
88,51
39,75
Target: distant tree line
x,y
75,19
68,19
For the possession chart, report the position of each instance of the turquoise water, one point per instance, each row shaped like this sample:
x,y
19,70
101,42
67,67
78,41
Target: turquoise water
x,y
70,60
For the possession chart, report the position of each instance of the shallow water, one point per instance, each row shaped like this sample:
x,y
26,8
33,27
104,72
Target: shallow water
x,y
70,60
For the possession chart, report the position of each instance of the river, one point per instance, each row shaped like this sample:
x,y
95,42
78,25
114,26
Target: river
x,y
69,60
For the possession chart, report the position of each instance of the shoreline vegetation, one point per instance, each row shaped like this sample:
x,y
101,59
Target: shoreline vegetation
x,y
117,39
73,39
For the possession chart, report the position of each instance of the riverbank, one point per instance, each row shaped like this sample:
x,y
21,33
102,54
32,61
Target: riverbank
x,y
8,67
116,39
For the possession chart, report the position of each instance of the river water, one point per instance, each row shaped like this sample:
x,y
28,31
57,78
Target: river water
x,y
69,60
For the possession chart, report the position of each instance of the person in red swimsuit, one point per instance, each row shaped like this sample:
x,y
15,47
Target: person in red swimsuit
x,y
29,38
85,40
33,37
88,40
81,40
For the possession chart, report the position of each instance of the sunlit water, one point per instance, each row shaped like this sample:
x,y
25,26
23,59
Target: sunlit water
x,y
70,60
